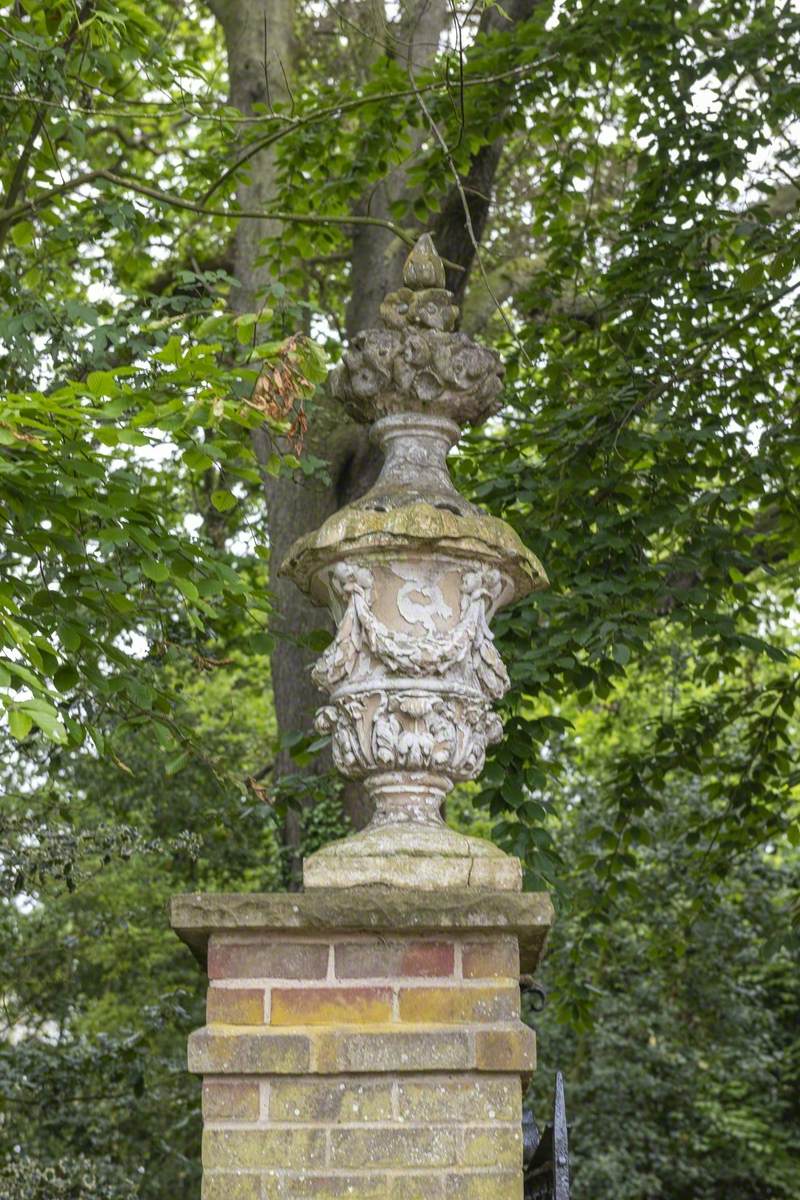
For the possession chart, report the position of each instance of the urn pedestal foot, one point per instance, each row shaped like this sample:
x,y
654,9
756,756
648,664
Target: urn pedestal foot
x,y
425,857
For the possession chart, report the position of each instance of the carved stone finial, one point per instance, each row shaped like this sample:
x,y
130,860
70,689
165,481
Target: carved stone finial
x,y
416,362
423,267
413,574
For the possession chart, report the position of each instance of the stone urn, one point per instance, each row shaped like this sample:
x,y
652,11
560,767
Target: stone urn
x,y
413,575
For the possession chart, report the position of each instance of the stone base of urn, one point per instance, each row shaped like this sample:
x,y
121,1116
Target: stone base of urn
x,y
413,855
363,1042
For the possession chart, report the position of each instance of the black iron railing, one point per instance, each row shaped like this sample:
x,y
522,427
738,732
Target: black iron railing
x,y
546,1155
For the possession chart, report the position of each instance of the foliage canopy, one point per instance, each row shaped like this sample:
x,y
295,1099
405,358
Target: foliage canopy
x,y
630,174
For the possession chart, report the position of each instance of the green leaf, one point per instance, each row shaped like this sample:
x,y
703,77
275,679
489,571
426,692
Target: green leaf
x,y
176,763
197,460
20,723
22,233
621,653
66,678
157,571
187,588
223,500
47,719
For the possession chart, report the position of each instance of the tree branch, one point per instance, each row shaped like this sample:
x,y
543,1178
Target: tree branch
x,y
17,182
9,215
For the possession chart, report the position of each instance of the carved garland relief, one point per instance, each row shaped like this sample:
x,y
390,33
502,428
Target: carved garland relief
x,y
414,701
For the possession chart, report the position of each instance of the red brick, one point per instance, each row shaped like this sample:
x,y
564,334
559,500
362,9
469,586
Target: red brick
x,y
331,1006
390,960
267,960
235,1006
491,960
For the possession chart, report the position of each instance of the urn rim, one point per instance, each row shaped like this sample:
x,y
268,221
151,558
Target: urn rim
x,y
370,535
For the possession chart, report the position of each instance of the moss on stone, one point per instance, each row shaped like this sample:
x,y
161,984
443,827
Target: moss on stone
x,y
415,526
525,915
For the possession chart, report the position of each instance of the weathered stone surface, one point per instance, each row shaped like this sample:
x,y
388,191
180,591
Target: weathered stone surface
x,y
527,916
415,362
424,856
413,575
416,526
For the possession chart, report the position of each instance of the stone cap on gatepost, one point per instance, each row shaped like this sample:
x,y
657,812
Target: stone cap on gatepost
x,y
527,916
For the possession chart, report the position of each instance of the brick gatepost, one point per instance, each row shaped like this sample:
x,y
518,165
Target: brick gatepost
x,y
364,1038
363,1042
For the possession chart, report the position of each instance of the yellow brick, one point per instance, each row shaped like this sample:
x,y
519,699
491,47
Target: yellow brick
x,y
235,1006
232,1185
397,1049
492,1147
331,1006
494,1186
451,1005
231,1100
247,1050
511,1049
418,1187
471,1099
252,1148
335,1100
279,1185
394,1147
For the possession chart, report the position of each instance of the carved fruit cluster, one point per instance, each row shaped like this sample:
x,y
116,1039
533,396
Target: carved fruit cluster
x,y
387,371
415,363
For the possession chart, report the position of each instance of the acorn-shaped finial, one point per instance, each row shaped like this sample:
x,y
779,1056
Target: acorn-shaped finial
x,y
423,267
